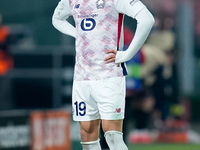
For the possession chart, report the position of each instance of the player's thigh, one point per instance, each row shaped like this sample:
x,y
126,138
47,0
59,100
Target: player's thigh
x,y
112,125
110,96
89,130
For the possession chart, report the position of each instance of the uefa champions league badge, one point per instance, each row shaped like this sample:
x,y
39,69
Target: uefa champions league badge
x,y
132,2
100,4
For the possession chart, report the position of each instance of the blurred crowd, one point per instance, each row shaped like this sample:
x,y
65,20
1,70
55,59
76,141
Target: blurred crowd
x,y
156,111
6,63
157,84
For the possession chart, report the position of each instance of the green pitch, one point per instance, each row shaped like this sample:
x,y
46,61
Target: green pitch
x,y
77,146
164,146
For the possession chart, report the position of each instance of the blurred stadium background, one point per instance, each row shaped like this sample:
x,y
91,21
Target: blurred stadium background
x,y
36,72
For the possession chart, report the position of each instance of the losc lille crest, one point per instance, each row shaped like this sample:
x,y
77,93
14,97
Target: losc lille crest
x,y
100,4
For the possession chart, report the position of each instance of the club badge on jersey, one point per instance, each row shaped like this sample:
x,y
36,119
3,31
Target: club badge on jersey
x,y
100,4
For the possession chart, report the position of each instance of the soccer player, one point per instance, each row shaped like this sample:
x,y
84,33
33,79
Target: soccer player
x,y
99,77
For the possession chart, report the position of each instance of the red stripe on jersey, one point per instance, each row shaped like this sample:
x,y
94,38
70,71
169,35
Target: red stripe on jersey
x,y
120,22
119,28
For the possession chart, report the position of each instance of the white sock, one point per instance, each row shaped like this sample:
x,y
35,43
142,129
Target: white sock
x,y
93,145
115,140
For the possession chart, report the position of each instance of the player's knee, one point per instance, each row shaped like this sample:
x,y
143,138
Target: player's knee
x,y
112,125
88,129
89,133
115,140
85,134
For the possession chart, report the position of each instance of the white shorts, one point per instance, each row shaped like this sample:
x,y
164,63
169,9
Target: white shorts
x,y
99,99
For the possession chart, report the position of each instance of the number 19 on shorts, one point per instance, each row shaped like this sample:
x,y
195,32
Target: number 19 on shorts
x,y
80,108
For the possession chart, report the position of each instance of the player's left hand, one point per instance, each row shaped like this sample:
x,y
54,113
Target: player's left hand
x,y
110,58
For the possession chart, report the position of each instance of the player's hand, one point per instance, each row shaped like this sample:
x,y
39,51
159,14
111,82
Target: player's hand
x,y
111,57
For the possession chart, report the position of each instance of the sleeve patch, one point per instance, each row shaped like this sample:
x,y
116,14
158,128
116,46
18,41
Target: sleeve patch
x,y
132,2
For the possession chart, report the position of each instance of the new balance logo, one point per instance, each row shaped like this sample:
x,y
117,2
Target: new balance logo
x,y
77,6
118,110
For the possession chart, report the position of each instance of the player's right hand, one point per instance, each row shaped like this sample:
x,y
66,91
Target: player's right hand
x,y
111,57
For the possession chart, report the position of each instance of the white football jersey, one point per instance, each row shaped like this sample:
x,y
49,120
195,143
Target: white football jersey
x,y
98,24
98,28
